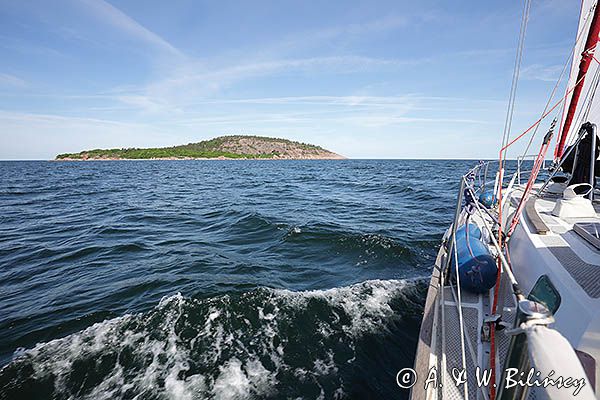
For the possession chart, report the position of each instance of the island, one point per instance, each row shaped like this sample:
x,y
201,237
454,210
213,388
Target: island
x,y
220,148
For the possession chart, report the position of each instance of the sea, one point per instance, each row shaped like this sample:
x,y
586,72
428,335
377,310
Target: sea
x,y
267,279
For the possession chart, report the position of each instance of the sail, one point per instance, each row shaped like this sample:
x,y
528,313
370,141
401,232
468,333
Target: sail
x,y
582,104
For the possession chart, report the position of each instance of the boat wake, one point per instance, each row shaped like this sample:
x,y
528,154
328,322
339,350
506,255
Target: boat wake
x,y
259,344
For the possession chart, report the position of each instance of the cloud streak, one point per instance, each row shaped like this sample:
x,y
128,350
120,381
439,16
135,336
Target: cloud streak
x,y
11,81
317,37
195,82
108,13
546,73
367,81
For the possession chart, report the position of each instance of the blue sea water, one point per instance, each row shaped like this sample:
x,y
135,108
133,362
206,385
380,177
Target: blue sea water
x,y
216,279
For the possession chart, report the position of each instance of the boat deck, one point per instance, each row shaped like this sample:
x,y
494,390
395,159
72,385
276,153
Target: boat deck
x,y
578,256
440,337
548,246
474,312
569,256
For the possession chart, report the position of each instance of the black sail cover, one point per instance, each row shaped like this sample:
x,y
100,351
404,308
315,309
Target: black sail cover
x,y
580,172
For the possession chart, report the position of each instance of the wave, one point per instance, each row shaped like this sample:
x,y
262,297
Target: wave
x,y
264,343
359,247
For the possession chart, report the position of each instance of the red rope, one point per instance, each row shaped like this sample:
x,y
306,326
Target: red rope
x,y
584,64
500,229
500,232
538,121
526,131
534,173
496,286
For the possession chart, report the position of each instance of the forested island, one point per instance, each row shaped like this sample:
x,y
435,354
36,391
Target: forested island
x,y
223,147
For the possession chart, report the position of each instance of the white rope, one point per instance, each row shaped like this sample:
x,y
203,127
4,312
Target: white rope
x,y
470,346
460,314
508,190
443,306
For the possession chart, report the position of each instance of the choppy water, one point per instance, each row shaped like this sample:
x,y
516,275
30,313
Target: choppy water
x,y
216,279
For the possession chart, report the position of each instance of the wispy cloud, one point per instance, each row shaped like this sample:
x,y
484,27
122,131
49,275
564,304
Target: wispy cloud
x,y
390,22
369,120
55,118
344,32
546,73
347,63
351,100
38,133
29,49
118,19
11,80
195,82
358,100
342,81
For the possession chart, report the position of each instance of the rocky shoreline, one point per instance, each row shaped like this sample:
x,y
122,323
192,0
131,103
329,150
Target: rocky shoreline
x,y
235,147
336,157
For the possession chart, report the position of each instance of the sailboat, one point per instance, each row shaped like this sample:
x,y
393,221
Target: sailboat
x,y
513,305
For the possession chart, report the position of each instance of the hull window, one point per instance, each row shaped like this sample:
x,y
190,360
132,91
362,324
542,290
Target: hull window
x,y
544,292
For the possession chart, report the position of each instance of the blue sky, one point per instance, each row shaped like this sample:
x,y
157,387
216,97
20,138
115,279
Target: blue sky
x,y
367,79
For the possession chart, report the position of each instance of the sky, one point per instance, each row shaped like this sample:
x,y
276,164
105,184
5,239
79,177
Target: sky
x,y
366,79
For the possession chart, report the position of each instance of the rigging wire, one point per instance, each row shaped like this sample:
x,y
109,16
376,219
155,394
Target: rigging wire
x,y
506,135
533,176
589,97
558,81
584,64
516,72
501,239
526,131
500,243
584,28
595,85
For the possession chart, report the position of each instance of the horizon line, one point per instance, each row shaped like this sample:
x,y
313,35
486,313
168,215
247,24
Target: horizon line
x,y
289,159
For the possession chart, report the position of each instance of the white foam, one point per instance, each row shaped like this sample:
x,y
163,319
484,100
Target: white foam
x,y
232,383
326,366
188,389
366,303
163,358
262,315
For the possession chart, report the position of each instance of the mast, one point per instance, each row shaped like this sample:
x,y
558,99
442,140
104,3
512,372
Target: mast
x,y
584,64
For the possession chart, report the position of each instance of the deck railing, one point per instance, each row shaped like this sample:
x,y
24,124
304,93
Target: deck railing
x,y
530,328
